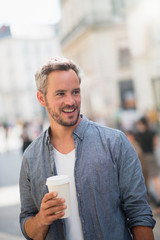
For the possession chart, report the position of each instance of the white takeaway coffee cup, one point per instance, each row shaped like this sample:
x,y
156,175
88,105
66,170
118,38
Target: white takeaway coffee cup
x,y
61,185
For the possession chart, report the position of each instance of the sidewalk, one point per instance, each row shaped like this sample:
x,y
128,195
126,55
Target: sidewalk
x,y
10,163
5,236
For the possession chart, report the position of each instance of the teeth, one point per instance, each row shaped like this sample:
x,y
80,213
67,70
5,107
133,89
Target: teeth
x,y
69,110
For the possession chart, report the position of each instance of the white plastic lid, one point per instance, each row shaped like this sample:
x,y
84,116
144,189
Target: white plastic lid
x,y
57,180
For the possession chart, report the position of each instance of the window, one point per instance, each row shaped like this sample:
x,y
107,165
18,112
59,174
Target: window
x,y
127,94
117,7
156,90
124,57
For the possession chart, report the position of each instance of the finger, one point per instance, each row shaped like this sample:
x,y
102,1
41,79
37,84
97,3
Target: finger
x,y
49,196
55,217
52,203
55,202
49,218
56,209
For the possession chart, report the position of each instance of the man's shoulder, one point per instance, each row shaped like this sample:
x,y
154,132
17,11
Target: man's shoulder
x,y
37,145
103,129
88,128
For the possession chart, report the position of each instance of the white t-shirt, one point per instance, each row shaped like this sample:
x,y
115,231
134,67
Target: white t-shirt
x,y
65,166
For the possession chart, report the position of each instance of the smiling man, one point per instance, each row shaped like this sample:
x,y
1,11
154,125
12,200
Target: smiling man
x,y
108,194
62,98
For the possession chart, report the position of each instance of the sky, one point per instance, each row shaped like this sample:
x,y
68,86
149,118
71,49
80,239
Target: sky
x,y
19,12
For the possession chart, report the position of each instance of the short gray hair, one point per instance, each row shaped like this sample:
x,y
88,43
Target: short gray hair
x,y
54,64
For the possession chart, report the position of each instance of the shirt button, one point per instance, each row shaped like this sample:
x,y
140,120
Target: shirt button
x,y
50,148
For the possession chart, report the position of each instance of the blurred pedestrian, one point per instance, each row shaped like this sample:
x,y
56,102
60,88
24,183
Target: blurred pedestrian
x,y
147,139
108,193
6,128
26,140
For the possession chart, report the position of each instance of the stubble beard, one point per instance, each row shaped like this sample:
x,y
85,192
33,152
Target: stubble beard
x,y
57,117
60,120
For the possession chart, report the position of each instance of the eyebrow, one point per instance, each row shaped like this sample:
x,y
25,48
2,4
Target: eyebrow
x,y
76,89
63,90
60,90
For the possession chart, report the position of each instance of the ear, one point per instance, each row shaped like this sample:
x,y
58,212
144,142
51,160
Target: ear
x,y
41,98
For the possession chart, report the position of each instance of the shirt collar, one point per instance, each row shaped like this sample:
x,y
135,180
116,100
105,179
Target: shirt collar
x,y
48,140
78,131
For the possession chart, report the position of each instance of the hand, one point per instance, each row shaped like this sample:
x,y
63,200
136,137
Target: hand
x,y
52,208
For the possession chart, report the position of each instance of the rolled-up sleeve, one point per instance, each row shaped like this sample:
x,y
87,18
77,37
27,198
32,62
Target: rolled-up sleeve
x,y
132,187
28,208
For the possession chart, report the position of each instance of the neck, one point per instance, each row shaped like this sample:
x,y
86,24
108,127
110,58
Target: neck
x,y
60,132
61,137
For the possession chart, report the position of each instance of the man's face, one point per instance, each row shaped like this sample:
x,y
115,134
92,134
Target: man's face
x,y
63,98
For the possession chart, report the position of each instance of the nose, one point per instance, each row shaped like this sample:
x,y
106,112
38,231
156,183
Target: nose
x,y
69,99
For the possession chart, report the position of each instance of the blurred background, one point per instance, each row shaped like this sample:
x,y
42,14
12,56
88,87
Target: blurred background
x,y
117,45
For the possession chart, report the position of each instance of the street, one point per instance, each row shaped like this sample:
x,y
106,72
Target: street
x,y
10,162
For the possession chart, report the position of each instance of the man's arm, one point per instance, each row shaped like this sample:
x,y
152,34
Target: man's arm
x,y
37,227
142,233
34,230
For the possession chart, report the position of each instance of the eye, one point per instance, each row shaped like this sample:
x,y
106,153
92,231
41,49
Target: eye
x,y
60,94
76,91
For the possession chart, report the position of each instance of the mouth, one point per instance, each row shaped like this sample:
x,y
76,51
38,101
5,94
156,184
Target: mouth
x,y
69,110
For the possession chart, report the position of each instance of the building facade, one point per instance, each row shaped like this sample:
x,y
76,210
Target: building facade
x,y
20,58
100,37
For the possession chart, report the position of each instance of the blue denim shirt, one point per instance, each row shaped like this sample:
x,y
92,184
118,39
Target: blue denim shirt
x,y
110,186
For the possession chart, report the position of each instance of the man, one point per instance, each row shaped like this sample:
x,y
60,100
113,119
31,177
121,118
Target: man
x,y
108,194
